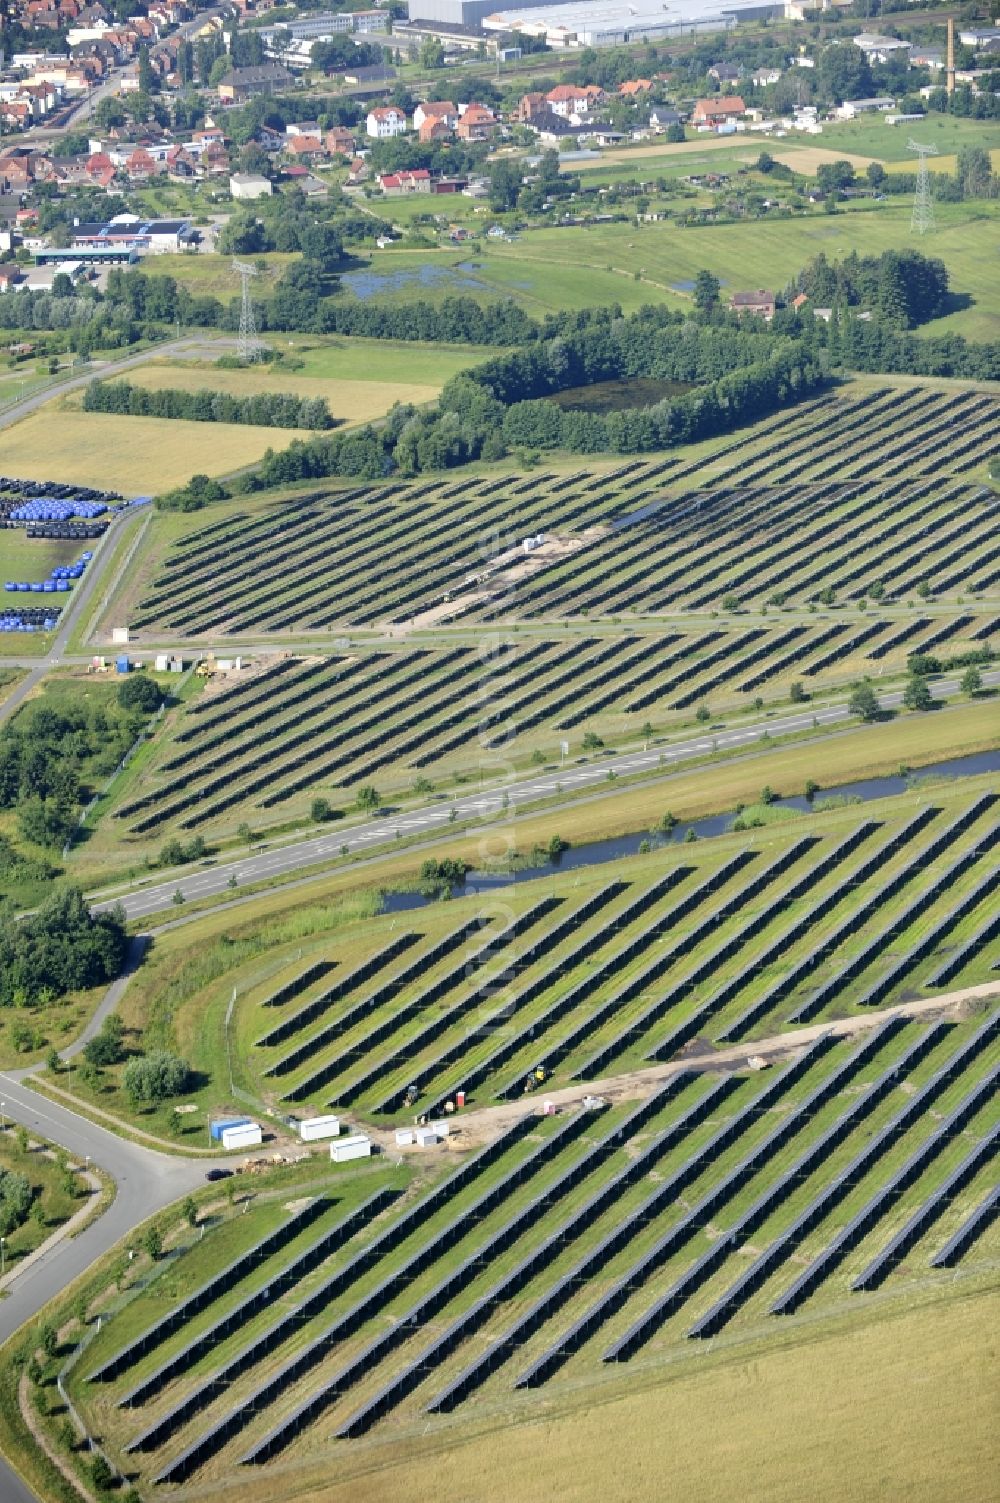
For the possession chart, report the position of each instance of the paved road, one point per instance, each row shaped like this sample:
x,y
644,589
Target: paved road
x,y
193,347
146,1181
571,782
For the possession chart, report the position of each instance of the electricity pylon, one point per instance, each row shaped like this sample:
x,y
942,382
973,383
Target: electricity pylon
x,y
923,204
248,345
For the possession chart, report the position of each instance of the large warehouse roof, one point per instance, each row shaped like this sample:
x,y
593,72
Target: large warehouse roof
x,y
587,21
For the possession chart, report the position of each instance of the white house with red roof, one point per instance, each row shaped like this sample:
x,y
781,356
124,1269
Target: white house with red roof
x,y
385,121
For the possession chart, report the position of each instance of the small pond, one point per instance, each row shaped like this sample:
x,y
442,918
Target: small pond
x,y
368,284
616,396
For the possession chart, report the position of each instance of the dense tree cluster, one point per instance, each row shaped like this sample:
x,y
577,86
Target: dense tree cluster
x,y
149,1078
48,756
15,1201
904,288
736,372
59,948
271,409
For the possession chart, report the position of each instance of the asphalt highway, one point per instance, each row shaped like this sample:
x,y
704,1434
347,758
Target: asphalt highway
x,y
571,782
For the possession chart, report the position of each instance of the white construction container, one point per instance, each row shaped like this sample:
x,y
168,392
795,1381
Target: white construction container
x,y
162,663
319,1127
404,1137
426,1137
120,635
356,1146
441,1128
246,1135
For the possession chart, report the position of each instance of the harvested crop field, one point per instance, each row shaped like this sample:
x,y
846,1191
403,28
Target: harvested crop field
x,y
349,401
134,455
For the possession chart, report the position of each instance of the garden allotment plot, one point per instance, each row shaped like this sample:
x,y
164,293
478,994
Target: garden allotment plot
x,y
599,975
719,1205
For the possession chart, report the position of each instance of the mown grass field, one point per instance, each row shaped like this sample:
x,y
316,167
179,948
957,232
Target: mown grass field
x,y
553,265
899,1407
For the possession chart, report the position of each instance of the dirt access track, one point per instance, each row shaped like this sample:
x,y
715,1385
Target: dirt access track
x,y
476,1128
510,569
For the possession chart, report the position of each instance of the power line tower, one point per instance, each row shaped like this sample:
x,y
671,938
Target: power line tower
x,y
248,345
923,204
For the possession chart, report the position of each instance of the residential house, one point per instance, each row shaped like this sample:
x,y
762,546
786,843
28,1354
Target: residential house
x,y
574,99
340,141
433,129
633,87
240,84
761,303
387,120
305,148
530,106
725,73
436,109
476,123
662,118
401,184
718,111
765,76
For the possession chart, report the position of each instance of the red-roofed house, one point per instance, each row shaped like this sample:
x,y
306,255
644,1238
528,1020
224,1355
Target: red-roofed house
x,y
718,111
436,109
340,141
574,99
476,123
304,147
434,130
633,87
388,120
398,184
140,164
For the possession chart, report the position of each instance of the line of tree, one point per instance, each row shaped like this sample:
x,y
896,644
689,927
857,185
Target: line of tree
x,y
271,409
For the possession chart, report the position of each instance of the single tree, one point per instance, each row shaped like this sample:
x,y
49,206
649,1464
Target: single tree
x,y
864,701
972,681
917,694
706,291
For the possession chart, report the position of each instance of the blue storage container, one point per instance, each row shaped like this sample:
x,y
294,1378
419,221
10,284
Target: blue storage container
x,y
216,1129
